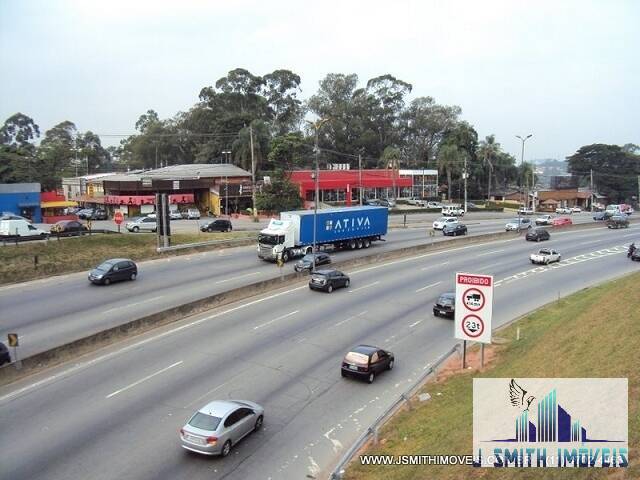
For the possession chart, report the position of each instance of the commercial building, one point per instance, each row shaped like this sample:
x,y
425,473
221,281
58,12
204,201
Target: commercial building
x,y
54,207
21,199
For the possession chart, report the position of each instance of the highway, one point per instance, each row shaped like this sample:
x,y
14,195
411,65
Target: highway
x,y
51,312
116,414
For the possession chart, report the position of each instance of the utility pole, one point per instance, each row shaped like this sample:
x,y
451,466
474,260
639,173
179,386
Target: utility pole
x,y
465,175
522,164
359,176
316,196
156,156
591,187
253,177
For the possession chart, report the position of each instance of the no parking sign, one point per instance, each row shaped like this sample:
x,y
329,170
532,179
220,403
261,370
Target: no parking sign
x,y
474,307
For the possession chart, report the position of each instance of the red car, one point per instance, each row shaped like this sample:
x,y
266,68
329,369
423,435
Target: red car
x,y
561,221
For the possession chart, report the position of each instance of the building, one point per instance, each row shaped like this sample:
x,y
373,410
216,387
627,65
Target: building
x,y
54,207
21,199
343,187
212,188
424,183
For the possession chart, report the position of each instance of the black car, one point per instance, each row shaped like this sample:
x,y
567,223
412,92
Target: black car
x,y
328,280
445,306
635,256
114,270
618,221
68,227
219,225
454,230
601,216
365,362
85,213
5,357
306,262
537,235
98,214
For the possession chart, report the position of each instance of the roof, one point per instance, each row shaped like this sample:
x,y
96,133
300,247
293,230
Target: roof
x,y
366,349
184,172
19,188
219,408
339,209
58,204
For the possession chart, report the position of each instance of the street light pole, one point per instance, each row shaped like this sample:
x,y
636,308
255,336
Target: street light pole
x,y
317,126
227,154
523,139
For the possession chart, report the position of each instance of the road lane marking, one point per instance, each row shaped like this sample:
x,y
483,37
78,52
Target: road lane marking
x,y
350,318
237,278
275,320
132,304
490,253
428,286
437,265
415,323
363,287
205,395
148,377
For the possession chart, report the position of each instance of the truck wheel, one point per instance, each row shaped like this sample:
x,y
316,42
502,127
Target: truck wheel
x,y
359,244
352,244
308,250
285,257
366,243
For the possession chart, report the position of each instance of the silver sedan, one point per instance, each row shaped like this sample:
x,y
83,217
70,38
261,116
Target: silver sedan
x,y
219,425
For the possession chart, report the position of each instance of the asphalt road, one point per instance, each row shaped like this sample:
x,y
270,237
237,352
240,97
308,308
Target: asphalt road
x,y
116,414
54,311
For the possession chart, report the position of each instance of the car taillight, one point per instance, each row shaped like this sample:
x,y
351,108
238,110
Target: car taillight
x,y
212,440
363,369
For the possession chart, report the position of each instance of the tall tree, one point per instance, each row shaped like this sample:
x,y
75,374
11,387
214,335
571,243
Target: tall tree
x,y
450,157
57,154
288,152
281,88
488,151
242,145
17,150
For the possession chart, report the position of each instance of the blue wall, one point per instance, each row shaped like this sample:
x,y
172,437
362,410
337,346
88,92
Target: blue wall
x,y
19,202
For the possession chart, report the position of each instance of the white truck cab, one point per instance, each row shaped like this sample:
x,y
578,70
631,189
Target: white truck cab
x,y
280,238
20,228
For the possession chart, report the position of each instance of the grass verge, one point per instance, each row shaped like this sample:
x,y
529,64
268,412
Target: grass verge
x,y
82,253
598,332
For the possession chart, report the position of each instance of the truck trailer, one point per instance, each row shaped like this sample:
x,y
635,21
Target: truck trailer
x,y
342,228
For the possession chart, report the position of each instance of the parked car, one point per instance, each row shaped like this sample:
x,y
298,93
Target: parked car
x,y
537,235
452,211
69,226
525,211
544,220
220,425
365,362
418,202
602,216
113,270
434,205
563,210
20,228
98,214
219,225
444,221
306,262
85,213
518,224
147,224
445,305
471,205
380,202
5,356
454,229
576,210
562,221
193,214
545,256
328,280
618,221
175,215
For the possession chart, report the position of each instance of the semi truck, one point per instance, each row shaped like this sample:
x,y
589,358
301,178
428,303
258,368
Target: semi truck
x,y
292,234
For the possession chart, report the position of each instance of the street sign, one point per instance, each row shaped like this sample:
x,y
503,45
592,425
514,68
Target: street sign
x,y
474,307
118,217
12,340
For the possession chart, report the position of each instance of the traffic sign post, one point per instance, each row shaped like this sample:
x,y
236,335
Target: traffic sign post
x,y
118,217
474,309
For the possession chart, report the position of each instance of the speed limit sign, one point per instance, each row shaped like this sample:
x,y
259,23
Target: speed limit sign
x,y
474,307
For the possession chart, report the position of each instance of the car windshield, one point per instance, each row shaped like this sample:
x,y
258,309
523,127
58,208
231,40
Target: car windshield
x,y
104,267
446,300
268,239
545,252
309,258
204,422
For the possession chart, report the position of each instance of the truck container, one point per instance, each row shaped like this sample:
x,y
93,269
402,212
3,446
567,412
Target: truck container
x,y
349,227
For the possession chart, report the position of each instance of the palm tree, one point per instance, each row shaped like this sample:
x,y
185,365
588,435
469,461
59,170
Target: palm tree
x,y
449,157
488,150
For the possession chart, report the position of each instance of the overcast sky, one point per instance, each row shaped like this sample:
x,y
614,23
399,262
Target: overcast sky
x,y
565,71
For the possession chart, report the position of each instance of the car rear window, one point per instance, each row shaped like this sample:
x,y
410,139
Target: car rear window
x,y
355,357
204,422
445,300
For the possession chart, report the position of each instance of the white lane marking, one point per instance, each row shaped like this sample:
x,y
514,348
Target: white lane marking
x,y
490,253
363,287
237,278
132,304
205,394
415,323
350,318
479,269
148,377
428,286
275,320
435,265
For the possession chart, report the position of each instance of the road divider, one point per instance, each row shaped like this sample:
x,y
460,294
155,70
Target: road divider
x,y
63,353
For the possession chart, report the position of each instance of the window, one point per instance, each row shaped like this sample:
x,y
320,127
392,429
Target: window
x,y
205,422
123,265
232,418
374,357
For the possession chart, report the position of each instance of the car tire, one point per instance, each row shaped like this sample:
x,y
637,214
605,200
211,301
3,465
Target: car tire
x,y
107,281
342,374
371,377
346,284
135,229
132,277
390,366
258,424
329,288
285,257
226,448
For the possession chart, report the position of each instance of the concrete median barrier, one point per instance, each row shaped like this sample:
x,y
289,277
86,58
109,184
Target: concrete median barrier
x,y
71,350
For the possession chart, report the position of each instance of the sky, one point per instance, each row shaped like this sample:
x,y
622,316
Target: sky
x,y
566,72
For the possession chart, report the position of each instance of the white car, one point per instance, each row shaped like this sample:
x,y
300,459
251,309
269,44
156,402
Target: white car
x,y
444,221
545,256
544,220
147,224
193,214
576,209
434,205
518,224
563,210
452,210
525,211
175,215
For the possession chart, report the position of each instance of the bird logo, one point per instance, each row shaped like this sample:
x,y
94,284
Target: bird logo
x,y
518,396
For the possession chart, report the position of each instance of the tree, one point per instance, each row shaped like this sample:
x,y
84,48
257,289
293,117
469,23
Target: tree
x,y
288,152
488,151
615,169
280,195
450,157
281,89
91,151
56,155
242,145
147,120
17,151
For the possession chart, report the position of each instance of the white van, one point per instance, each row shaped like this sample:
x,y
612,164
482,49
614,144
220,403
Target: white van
x,y
452,211
21,228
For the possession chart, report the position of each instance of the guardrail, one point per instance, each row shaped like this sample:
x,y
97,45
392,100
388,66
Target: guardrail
x,y
238,241
403,399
